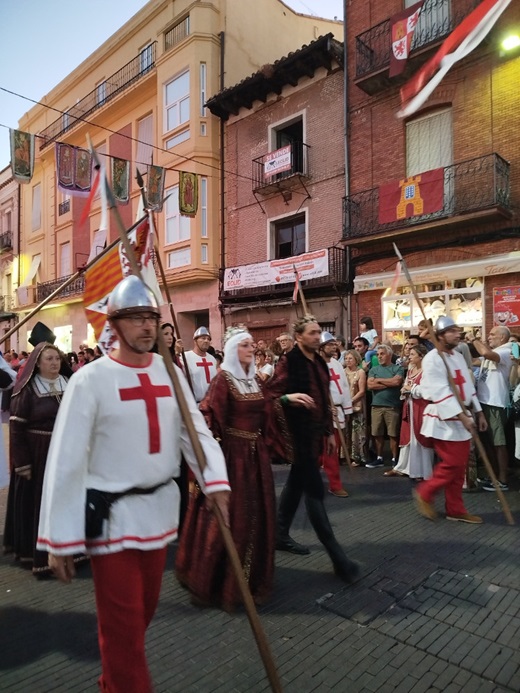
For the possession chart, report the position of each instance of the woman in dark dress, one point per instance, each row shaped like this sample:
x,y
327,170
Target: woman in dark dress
x,y
234,408
34,406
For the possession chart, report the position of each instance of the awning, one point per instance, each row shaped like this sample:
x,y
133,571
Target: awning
x,y
496,264
32,271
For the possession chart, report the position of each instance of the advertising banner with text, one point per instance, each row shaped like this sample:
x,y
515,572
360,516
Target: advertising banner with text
x,y
309,266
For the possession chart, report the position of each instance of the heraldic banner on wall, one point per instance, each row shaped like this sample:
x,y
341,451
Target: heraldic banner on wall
x,y
412,197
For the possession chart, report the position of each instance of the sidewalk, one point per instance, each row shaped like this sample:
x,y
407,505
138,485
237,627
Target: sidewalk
x,y
438,609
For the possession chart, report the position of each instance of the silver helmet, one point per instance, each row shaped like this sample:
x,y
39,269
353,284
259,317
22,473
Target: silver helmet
x,y
444,323
202,332
326,337
131,296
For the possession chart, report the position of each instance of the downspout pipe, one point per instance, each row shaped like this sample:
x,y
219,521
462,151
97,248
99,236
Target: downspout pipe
x,y
348,257
222,37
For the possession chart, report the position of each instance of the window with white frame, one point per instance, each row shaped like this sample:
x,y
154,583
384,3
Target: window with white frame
x,y
36,207
146,58
204,207
288,236
177,101
429,142
177,139
204,253
177,226
203,88
101,93
179,258
145,140
65,259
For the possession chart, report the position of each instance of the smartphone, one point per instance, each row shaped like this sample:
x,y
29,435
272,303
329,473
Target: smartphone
x,y
515,350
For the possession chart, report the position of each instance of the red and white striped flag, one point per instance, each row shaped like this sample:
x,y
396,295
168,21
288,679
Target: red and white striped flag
x,y
460,43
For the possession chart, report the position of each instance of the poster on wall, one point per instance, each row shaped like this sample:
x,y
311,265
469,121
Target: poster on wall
x,y
506,306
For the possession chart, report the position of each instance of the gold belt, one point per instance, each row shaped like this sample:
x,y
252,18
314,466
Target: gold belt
x,y
239,433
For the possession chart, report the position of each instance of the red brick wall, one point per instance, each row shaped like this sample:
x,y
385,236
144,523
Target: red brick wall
x,y
247,226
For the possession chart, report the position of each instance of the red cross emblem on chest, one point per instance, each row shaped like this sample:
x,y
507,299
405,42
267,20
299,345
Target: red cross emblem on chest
x,y
335,377
459,381
207,367
149,393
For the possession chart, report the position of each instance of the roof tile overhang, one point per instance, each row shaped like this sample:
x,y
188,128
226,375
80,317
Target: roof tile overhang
x,y
271,79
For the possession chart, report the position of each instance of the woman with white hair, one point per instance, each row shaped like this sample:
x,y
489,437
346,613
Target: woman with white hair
x,y
234,408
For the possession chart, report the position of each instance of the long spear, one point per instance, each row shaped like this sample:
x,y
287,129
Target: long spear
x,y
333,406
455,390
58,291
254,620
140,183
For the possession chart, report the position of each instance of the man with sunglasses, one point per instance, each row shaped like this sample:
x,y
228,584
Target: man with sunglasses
x,y
120,432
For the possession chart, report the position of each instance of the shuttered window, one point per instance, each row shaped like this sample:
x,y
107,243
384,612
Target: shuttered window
x,y
429,142
145,144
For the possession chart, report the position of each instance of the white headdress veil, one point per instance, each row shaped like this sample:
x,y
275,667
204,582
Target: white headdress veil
x,y
235,335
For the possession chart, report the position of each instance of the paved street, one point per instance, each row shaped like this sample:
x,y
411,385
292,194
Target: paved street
x,y
438,609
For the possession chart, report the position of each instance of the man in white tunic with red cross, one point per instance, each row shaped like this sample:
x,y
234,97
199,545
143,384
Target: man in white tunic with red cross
x,y
119,434
342,401
201,364
448,425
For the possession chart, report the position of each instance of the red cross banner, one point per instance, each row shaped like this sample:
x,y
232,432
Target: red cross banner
x,y
402,28
412,197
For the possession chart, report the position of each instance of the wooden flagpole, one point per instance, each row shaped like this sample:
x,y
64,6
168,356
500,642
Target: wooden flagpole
x,y
455,390
254,620
333,406
140,183
58,291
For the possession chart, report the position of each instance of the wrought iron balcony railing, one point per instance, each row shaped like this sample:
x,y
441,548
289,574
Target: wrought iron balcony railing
x,y
469,186
297,165
438,18
130,73
6,240
46,288
6,304
335,278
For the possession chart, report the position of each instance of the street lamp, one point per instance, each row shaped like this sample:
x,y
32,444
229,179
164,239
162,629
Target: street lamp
x,y
511,42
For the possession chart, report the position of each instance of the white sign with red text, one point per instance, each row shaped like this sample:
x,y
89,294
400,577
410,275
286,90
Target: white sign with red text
x,y
278,161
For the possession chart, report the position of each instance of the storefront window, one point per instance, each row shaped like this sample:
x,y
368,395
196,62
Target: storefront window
x,y
461,299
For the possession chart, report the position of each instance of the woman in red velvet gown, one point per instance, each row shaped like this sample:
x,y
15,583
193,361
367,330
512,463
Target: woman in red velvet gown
x,y
234,408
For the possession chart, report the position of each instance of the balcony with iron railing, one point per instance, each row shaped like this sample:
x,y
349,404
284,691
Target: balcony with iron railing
x,y
474,189
336,279
6,240
284,174
129,74
6,304
437,19
45,289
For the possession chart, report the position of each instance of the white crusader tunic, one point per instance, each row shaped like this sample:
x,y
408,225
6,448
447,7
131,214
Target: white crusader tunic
x,y
119,427
202,371
339,390
440,417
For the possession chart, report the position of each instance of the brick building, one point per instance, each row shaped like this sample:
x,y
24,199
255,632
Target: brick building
x,y
469,246
141,97
284,162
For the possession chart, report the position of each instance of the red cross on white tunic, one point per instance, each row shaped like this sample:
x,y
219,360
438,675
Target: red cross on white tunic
x,y
149,393
207,367
459,382
336,378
